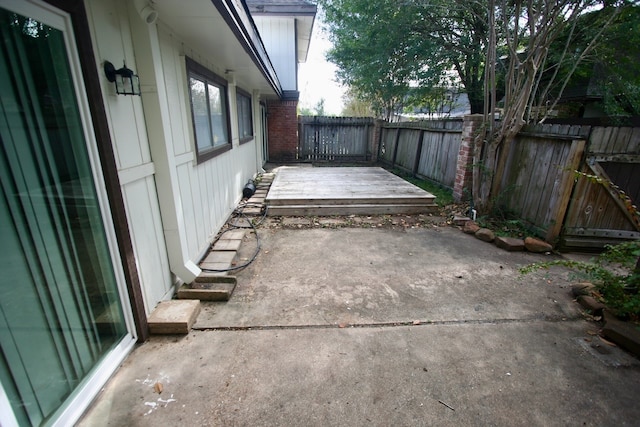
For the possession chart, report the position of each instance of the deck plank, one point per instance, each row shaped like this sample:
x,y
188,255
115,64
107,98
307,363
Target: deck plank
x,y
344,191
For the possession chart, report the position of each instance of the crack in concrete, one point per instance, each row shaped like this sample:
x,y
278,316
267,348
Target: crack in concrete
x,y
415,323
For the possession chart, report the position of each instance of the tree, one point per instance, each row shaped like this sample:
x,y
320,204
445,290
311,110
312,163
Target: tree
x,y
612,70
529,28
320,108
317,110
355,106
381,50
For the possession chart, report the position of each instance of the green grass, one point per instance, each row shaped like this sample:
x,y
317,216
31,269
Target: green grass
x,y
444,196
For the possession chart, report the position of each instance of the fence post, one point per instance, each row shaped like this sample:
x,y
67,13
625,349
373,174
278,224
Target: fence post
x,y
395,148
375,136
416,163
464,165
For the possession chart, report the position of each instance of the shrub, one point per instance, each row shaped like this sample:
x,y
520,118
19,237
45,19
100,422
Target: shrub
x,y
615,274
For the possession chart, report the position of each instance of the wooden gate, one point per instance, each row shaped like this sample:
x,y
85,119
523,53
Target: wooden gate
x,y
541,186
598,214
335,139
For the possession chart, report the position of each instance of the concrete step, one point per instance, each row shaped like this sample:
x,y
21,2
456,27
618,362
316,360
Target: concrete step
x,y
207,291
174,317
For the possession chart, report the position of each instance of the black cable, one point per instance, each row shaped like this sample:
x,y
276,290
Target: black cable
x,y
239,212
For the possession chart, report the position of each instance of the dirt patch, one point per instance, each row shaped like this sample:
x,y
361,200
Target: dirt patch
x,y
444,217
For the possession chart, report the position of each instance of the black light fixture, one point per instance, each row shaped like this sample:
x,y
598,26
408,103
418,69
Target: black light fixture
x,y
127,82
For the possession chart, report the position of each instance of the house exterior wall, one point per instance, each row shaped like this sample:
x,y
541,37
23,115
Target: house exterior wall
x,y
279,37
112,40
175,206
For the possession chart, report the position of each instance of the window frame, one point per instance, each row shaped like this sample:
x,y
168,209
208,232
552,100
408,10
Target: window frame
x,y
243,93
208,77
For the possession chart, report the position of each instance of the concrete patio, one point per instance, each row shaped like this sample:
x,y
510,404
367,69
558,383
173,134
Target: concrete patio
x,y
422,326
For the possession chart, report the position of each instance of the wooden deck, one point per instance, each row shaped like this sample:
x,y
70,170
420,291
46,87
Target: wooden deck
x,y
308,191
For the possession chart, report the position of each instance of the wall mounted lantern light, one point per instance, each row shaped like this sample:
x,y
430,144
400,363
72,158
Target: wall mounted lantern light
x,y
127,82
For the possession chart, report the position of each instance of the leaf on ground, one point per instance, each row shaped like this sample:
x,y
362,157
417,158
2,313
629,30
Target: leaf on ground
x,y
607,342
157,387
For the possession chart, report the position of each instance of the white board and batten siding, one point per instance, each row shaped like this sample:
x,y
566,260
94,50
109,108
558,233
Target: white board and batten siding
x,y
208,191
279,37
133,158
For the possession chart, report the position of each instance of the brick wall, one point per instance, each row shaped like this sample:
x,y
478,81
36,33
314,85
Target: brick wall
x,y
464,167
282,128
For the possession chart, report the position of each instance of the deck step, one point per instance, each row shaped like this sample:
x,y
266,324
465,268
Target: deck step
x,y
342,201
355,209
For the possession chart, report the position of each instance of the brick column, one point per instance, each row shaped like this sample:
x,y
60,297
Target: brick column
x,y
282,127
464,167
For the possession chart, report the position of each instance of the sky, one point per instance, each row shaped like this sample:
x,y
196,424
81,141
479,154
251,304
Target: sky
x,y
316,77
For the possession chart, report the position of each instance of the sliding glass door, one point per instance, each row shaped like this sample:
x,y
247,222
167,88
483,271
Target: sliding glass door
x,y
60,302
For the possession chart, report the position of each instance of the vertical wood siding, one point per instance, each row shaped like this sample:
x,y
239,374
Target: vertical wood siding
x,y
278,36
209,191
112,39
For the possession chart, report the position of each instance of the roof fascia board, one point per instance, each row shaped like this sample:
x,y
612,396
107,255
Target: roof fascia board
x,y
237,16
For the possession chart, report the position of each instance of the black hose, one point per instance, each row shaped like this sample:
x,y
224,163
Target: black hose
x,y
238,212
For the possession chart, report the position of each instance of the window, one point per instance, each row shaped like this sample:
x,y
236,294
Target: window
x,y
245,122
209,109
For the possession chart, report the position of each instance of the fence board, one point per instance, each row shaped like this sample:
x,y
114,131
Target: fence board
x,y
439,157
334,138
407,148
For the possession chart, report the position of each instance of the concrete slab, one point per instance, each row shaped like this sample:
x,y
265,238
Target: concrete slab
x,y
174,317
507,374
380,327
368,276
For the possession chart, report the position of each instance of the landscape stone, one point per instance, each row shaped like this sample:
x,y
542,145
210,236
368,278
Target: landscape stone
x,y
625,334
582,288
509,244
536,245
470,227
485,235
590,303
460,220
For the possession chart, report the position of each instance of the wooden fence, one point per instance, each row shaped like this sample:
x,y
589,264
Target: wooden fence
x,y
539,184
336,139
428,149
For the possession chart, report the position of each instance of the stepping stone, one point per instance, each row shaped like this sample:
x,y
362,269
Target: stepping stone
x,y
219,257
259,200
227,245
208,291
233,235
174,317
252,211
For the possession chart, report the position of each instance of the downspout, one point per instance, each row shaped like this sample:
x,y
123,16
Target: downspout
x,y
157,121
